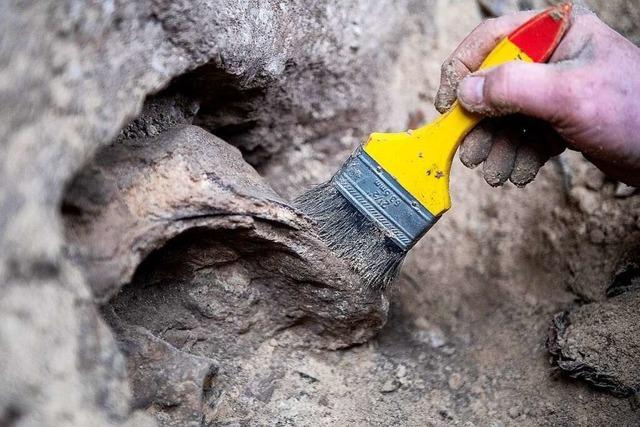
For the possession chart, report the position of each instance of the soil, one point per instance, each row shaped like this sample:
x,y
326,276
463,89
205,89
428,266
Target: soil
x,y
154,271
465,340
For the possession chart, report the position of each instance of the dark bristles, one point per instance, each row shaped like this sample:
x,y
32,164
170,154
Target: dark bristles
x,y
351,236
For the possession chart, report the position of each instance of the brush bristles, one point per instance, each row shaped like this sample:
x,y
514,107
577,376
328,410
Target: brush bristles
x,y
351,236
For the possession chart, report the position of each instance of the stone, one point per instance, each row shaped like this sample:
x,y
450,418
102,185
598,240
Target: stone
x,y
172,385
456,381
598,343
72,81
184,207
623,190
295,86
390,385
514,412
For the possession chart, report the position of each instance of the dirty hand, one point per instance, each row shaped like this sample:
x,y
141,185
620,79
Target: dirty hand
x,y
587,98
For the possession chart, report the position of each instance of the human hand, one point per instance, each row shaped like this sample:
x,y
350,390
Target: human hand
x,y
587,98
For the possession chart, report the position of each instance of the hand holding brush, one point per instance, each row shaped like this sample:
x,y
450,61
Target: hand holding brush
x,y
586,98
394,187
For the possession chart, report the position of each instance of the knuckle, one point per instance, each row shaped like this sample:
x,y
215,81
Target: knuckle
x,y
580,100
446,65
451,69
494,27
488,24
499,90
587,111
447,72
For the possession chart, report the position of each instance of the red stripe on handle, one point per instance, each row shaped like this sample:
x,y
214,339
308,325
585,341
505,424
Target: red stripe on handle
x,y
539,36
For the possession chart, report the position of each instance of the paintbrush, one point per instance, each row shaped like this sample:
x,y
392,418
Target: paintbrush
x,y
394,188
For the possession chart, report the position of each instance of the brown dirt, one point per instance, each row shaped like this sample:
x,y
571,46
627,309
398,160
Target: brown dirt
x,y
176,285
465,339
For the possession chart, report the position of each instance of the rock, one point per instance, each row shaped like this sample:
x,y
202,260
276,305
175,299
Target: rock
x,y
622,15
627,273
594,179
498,7
514,412
168,383
236,243
185,208
77,356
456,381
160,113
623,190
503,7
586,199
72,79
601,231
295,85
390,385
598,343
401,372
429,333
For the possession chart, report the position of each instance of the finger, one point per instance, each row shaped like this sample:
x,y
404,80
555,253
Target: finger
x,y
529,160
555,144
452,72
536,90
469,55
501,159
539,143
476,146
578,40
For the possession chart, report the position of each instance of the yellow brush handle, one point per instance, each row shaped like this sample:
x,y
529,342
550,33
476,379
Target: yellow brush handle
x,y
421,160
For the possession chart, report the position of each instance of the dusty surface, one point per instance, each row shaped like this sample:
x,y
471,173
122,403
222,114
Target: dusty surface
x,y
218,324
599,343
244,268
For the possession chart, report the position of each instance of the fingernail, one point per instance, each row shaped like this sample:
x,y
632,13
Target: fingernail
x,y
471,90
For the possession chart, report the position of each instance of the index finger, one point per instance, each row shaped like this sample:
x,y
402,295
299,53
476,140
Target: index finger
x,y
468,56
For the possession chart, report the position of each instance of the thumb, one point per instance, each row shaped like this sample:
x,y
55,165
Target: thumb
x,y
515,87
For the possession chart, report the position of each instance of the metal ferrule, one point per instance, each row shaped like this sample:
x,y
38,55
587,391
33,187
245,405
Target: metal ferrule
x,y
379,197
